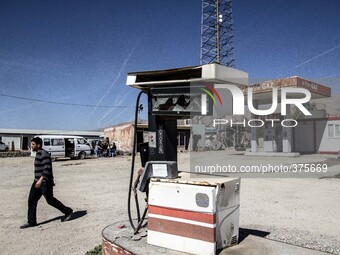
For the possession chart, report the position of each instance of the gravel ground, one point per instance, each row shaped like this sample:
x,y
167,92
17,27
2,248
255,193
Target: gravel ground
x,y
303,212
303,238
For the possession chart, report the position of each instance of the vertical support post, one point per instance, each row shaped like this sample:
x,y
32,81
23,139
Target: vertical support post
x,y
287,133
255,131
217,28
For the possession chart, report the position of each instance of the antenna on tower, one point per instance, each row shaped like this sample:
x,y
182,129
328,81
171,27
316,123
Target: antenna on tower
x,y
217,35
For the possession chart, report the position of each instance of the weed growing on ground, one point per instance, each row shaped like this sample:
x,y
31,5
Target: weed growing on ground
x,y
96,251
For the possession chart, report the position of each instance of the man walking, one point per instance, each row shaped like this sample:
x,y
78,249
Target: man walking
x,y
42,185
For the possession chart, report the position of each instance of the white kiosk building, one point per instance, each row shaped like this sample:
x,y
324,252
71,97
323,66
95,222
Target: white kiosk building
x,y
318,133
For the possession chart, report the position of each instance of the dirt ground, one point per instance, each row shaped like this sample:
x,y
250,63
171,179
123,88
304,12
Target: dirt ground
x,y
290,209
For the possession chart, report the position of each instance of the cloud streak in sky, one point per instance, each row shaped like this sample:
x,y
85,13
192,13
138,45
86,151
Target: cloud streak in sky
x,y
119,102
118,75
309,60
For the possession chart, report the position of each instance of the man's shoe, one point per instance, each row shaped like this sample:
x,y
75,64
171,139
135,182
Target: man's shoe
x,y
68,216
28,225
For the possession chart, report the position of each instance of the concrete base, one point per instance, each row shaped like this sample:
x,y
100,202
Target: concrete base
x,y
121,241
259,245
273,154
118,239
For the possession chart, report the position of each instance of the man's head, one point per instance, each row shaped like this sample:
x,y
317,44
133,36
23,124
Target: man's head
x,y
36,143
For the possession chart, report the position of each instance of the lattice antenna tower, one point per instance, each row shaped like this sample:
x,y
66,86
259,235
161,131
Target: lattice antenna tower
x,y
217,35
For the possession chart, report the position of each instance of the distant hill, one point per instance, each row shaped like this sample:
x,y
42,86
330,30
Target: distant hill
x,y
98,130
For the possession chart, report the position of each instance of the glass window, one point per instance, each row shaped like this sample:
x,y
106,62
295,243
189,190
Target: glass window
x,y
337,130
47,142
57,142
330,130
81,141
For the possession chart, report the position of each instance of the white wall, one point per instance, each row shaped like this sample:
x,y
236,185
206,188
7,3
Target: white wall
x,y
304,137
328,144
8,140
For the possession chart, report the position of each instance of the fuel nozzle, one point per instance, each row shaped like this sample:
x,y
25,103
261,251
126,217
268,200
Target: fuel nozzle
x,y
140,172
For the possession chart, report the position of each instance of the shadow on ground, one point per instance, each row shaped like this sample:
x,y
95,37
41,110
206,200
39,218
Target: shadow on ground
x,y
75,215
244,232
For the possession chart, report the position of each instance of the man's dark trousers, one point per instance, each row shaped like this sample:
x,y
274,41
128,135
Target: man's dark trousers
x,y
45,190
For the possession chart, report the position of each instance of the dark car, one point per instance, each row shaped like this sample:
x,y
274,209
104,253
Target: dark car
x,y
240,147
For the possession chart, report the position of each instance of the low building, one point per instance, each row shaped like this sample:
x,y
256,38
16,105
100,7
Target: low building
x,y
20,138
318,136
122,135
318,133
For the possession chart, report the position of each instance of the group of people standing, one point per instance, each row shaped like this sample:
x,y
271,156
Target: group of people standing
x,y
105,149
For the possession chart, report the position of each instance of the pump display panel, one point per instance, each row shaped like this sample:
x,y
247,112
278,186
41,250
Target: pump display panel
x,y
180,101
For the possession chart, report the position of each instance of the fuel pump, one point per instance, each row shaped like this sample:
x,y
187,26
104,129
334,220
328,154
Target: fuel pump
x,y
206,204
166,104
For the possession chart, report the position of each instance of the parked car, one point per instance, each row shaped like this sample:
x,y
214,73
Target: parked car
x,y
240,147
3,147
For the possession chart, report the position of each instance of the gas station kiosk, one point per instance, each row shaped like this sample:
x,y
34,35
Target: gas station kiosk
x,y
186,212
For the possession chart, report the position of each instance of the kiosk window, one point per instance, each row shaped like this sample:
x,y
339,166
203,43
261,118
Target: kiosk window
x,y
337,130
330,130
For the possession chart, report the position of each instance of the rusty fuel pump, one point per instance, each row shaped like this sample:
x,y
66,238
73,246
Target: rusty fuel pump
x,y
196,215
168,101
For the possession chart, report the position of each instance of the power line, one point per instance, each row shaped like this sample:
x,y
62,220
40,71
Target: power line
x,y
64,103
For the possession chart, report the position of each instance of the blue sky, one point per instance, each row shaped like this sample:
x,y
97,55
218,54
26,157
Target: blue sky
x,y
80,52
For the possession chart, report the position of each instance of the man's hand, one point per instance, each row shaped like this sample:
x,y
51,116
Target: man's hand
x,y
39,182
140,171
38,185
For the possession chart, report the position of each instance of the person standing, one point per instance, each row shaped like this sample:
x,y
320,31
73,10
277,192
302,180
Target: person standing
x,y
113,149
42,185
107,147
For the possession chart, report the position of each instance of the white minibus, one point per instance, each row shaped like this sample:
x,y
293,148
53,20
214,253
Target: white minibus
x,y
62,146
